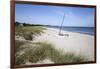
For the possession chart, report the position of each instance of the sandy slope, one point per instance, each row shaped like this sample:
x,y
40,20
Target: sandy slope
x,y
80,44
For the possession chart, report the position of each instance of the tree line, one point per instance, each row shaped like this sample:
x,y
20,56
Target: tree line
x,y
26,24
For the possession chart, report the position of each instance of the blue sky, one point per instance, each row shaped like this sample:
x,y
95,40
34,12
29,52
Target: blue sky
x,y
53,15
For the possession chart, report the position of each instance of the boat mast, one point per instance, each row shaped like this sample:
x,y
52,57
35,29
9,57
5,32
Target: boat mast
x,y
61,24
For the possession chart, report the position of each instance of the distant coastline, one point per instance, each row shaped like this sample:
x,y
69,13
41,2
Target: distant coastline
x,y
82,30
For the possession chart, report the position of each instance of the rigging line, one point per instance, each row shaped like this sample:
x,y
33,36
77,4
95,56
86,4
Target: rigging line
x,y
61,24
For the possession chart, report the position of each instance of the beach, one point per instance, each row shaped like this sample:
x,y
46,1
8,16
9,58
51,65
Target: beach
x,y
53,35
69,42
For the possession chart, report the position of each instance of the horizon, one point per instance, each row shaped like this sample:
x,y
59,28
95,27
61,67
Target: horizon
x,y
52,15
50,25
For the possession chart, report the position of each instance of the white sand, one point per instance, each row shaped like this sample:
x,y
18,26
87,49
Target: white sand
x,y
80,44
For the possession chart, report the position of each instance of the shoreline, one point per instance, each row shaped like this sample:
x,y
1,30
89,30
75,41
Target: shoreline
x,y
80,44
91,34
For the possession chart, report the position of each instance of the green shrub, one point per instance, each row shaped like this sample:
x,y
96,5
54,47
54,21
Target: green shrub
x,y
28,36
19,60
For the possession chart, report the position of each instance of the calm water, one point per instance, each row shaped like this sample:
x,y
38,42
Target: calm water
x,y
82,30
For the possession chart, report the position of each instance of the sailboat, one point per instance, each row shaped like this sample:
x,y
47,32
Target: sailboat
x,y
61,27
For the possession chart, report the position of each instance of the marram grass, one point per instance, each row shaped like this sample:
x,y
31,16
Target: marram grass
x,y
38,51
28,32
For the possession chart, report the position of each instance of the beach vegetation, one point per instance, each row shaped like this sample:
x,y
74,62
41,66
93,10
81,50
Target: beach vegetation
x,y
28,32
38,51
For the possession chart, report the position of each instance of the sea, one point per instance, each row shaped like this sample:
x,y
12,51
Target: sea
x,y
82,30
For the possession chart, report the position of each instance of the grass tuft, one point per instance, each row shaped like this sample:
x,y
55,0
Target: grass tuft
x,y
37,51
27,32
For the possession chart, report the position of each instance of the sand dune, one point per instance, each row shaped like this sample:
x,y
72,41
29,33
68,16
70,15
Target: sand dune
x,y
80,44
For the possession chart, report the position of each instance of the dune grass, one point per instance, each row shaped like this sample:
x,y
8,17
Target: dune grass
x,y
19,44
34,52
28,32
27,51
